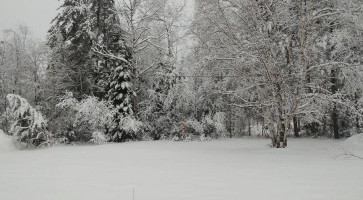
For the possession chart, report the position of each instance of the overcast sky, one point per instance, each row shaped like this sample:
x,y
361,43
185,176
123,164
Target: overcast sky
x,y
37,14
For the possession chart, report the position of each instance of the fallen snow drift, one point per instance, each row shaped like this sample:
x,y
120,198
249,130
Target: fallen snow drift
x,y
354,144
218,170
355,141
6,142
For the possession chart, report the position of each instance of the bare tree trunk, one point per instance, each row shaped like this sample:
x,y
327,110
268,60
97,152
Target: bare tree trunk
x,y
249,124
230,121
357,108
335,115
296,127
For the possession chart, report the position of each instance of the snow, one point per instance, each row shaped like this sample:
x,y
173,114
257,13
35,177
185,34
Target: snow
x,y
6,143
354,145
355,141
217,170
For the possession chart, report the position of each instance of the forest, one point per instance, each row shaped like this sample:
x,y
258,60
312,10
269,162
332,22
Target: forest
x,y
145,70
181,100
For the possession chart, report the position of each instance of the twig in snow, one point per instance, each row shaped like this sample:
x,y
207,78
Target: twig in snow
x,y
348,154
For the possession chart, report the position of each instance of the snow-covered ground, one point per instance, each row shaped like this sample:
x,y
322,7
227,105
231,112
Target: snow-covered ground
x,y
237,169
6,143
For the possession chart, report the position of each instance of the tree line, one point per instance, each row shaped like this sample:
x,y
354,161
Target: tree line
x,y
144,70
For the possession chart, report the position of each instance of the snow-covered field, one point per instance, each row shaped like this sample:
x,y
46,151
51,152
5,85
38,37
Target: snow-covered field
x,y
235,169
6,143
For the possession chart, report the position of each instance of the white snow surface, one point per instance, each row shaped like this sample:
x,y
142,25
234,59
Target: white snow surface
x,y
355,142
6,143
234,169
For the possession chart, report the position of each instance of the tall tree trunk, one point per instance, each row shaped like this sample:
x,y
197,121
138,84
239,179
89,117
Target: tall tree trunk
x,y
230,121
335,115
335,122
356,96
296,127
282,131
249,122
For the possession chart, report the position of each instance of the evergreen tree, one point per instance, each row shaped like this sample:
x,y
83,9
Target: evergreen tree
x,y
114,70
96,58
120,93
71,30
109,42
83,27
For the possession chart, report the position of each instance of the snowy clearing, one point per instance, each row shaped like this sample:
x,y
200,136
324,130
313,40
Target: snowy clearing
x,y
229,169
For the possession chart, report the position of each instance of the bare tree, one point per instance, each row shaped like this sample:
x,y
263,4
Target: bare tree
x,y
272,46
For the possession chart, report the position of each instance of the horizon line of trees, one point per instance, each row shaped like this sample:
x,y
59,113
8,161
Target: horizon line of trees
x,y
141,70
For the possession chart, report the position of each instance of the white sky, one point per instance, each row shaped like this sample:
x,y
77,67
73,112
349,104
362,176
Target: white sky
x,y
36,14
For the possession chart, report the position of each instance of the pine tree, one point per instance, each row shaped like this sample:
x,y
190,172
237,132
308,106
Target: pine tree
x,y
96,58
109,42
27,124
114,66
83,27
120,94
72,31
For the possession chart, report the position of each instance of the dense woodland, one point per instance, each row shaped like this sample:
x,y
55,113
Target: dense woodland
x,y
116,71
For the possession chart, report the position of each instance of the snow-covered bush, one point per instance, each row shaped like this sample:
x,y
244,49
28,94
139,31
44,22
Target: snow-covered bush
x,y
204,138
97,114
195,126
214,126
209,126
206,128
219,122
92,120
98,138
157,126
85,120
129,126
27,124
256,129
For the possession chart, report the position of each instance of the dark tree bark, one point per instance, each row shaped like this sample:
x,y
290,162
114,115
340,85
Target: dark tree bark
x,y
335,115
356,97
335,122
296,127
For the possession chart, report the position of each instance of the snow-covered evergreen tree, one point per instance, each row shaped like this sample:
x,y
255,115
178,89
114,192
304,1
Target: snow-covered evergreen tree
x,y
85,29
120,93
97,57
27,124
72,33
109,43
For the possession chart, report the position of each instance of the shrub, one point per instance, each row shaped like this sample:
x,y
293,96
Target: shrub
x,y
84,121
27,124
129,129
